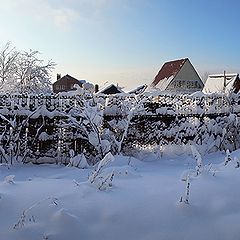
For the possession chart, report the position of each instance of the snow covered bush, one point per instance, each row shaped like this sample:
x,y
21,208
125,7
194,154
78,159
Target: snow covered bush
x,y
237,161
9,179
13,146
78,161
86,121
102,180
44,128
232,135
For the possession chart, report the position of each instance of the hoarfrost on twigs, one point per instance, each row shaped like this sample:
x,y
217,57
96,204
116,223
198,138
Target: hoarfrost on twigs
x,y
100,179
9,179
198,158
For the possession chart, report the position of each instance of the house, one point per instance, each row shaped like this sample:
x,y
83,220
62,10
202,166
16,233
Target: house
x,y
66,83
179,76
139,89
229,82
110,89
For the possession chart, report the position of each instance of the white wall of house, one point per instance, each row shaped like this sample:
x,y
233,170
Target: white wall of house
x,y
215,83
186,79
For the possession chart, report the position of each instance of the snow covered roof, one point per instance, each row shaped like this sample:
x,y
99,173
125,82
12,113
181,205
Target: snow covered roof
x,y
215,83
68,77
138,90
111,89
168,71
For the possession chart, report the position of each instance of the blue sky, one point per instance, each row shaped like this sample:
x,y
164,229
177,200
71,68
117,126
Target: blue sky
x,y
125,41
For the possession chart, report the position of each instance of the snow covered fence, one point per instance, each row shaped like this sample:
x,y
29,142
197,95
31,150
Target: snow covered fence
x,y
44,128
160,104
191,105
21,104
215,133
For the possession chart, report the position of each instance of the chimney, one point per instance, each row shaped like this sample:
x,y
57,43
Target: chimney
x,y
96,88
58,76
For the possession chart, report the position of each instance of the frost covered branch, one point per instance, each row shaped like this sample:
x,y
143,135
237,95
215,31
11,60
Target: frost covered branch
x,y
23,218
98,178
185,197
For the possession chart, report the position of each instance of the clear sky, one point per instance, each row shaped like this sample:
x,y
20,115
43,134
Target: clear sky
x,y
125,41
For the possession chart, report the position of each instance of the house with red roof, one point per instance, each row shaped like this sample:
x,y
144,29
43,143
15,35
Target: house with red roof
x,y
179,76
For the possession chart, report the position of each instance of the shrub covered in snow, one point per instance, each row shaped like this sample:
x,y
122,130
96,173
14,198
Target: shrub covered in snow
x,y
43,128
98,177
78,161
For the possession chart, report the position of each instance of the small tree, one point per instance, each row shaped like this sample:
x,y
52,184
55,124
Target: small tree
x,y
14,138
119,127
198,158
8,63
98,178
33,74
87,121
24,71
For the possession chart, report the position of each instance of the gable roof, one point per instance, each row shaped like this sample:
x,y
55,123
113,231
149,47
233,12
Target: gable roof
x,y
111,89
138,90
68,78
168,71
215,83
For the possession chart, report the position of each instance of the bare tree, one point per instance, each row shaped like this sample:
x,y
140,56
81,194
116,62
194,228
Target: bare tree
x,y
24,71
8,60
32,73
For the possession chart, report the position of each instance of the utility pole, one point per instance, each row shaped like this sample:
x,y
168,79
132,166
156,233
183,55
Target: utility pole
x,y
224,81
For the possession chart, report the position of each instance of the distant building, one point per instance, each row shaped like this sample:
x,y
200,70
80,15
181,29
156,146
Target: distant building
x,y
229,82
179,76
139,89
110,89
66,83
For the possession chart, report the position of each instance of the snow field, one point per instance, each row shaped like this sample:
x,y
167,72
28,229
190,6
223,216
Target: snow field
x,y
143,203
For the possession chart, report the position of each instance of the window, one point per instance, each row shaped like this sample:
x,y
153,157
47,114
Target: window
x,y
196,84
183,83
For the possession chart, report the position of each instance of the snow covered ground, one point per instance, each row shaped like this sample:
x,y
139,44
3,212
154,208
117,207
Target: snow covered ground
x,y
57,203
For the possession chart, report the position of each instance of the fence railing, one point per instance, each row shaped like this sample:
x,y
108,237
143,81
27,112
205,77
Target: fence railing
x,y
117,104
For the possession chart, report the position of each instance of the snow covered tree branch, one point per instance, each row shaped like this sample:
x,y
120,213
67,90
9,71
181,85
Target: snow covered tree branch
x,y
33,74
8,64
100,179
24,71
